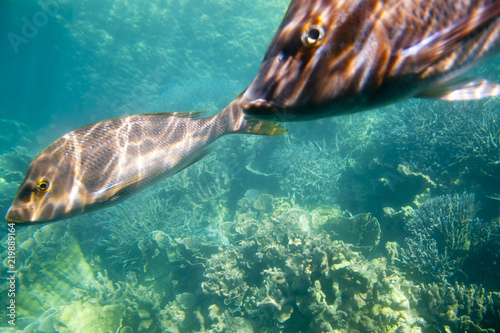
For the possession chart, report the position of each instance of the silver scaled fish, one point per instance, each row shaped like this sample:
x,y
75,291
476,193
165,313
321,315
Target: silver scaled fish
x,y
102,164
333,57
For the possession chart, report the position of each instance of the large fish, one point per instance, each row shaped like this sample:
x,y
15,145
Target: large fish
x,y
99,165
332,57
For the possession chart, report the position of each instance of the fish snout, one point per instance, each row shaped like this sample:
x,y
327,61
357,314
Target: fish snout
x,y
29,212
18,215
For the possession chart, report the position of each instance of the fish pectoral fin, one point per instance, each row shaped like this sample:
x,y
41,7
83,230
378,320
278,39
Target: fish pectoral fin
x,y
199,156
439,45
261,127
462,91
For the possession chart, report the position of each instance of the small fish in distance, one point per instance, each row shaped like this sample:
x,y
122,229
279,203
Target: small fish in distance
x,y
99,165
333,57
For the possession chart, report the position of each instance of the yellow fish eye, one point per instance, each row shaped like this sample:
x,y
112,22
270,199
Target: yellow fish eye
x,y
312,34
42,185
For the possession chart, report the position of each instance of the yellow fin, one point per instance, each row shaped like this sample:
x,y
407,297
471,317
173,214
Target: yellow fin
x,y
245,124
458,91
261,127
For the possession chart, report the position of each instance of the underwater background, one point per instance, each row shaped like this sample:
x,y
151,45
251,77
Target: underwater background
x,y
384,221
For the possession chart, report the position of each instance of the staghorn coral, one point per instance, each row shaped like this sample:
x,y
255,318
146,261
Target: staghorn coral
x,y
443,232
455,144
461,308
202,189
356,135
140,306
311,175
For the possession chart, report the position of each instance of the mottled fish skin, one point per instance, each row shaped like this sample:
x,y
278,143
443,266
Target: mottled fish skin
x,y
333,57
99,165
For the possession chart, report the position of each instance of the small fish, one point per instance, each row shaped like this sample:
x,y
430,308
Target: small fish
x,y
333,57
99,165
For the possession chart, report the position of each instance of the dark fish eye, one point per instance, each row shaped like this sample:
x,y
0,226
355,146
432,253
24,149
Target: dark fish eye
x,y
312,35
42,185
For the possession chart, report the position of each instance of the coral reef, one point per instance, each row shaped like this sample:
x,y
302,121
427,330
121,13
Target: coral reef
x,y
309,171
216,248
275,267
453,143
458,308
362,231
443,232
282,269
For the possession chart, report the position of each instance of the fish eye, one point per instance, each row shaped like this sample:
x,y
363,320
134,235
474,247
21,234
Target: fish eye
x,y
42,185
313,34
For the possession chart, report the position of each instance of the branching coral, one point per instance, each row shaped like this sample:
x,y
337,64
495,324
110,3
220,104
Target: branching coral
x,y
443,231
444,140
461,308
309,171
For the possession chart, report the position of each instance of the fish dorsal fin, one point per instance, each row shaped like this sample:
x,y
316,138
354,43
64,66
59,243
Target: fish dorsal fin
x,y
462,90
188,114
442,43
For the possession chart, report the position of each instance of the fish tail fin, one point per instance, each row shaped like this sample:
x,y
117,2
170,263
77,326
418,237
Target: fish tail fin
x,y
238,122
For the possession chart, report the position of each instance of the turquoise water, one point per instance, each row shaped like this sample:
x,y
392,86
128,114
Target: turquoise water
x,y
385,221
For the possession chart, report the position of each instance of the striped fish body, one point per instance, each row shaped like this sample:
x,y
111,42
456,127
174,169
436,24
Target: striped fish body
x,y
332,57
101,164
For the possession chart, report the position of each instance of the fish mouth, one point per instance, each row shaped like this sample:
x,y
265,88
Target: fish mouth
x,y
10,219
15,216
262,108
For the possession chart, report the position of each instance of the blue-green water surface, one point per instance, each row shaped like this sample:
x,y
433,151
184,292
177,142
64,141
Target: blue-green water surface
x,y
384,221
